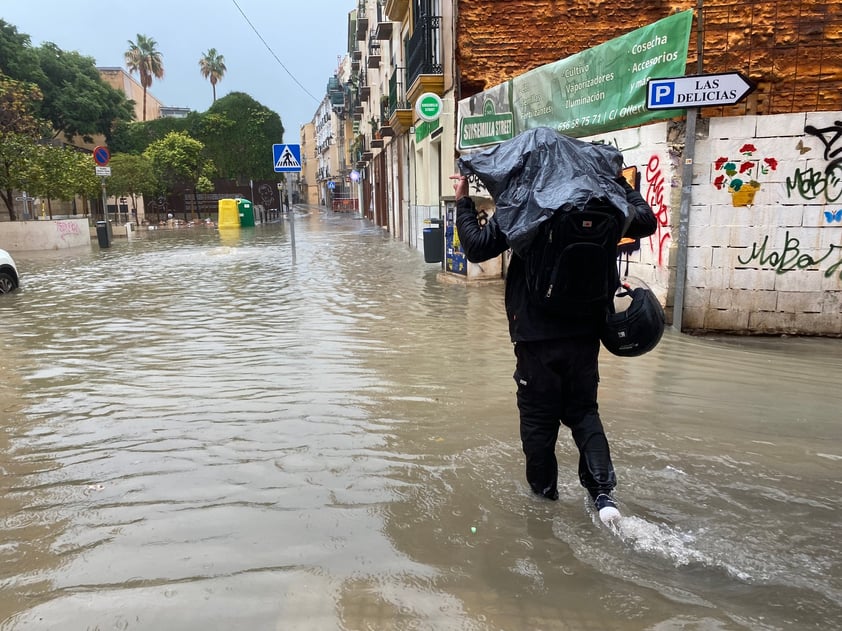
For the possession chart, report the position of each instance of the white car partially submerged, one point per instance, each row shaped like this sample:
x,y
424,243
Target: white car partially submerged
x,y
9,279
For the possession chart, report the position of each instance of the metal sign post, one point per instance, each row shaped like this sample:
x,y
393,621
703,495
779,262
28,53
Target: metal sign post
x,y
691,92
291,216
291,219
104,201
102,156
684,218
287,159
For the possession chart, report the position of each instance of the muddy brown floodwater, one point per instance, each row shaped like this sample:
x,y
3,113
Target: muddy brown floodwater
x,y
198,433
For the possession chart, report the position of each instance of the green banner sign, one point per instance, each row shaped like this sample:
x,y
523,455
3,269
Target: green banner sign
x,y
489,128
595,91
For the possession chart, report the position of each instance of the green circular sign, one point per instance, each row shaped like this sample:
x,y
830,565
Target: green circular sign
x,y
429,106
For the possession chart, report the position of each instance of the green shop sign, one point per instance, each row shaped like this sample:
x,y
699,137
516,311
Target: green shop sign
x,y
595,91
429,106
424,129
490,128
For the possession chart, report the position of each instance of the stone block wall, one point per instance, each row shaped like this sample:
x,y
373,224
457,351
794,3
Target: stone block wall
x,y
767,258
58,234
763,259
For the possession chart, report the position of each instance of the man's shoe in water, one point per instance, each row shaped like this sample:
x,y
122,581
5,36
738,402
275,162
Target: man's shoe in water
x,y
607,509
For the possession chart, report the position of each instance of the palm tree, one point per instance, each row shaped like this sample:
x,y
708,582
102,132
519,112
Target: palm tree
x,y
143,58
212,66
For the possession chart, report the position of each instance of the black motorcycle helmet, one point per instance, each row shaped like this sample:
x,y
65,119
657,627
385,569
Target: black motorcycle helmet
x,y
637,324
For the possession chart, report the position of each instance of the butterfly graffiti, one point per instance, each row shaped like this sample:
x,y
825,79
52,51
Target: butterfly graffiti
x,y
833,216
830,137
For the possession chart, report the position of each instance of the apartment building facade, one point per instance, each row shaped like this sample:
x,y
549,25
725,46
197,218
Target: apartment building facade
x,y
403,51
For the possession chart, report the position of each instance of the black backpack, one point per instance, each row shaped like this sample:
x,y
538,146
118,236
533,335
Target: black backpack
x,y
571,265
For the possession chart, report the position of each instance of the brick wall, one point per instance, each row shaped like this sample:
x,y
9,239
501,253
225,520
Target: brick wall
x,y
791,49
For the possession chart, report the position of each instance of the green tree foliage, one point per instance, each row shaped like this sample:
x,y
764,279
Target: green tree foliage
x,y
204,185
76,100
19,128
58,172
239,133
176,159
17,103
50,174
146,60
83,179
134,137
212,67
131,175
15,159
17,57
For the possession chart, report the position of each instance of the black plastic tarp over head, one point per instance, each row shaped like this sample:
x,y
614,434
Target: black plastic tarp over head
x,y
540,172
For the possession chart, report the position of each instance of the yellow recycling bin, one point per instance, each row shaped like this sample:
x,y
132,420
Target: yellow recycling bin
x,y
229,214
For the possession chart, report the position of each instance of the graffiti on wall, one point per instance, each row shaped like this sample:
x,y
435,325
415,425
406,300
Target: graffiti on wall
x,y
810,184
813,184
655,195
67,228
741,177
792,257
833,154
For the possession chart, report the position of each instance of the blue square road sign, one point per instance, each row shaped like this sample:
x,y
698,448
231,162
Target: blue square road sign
x,y
661,93
286,158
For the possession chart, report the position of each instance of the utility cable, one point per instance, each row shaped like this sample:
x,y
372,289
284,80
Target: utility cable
x,y
245,17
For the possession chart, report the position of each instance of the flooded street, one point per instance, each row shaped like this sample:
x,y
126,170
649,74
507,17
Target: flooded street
x,y
201,434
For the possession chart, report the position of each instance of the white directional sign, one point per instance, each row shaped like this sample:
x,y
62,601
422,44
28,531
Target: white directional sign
x,y
286,158
697,91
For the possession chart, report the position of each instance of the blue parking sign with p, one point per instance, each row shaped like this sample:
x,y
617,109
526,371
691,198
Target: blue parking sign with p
x,y
661,93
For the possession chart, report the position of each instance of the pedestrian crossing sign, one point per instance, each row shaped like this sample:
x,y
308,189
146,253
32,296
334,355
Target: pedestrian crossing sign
x,y
286,158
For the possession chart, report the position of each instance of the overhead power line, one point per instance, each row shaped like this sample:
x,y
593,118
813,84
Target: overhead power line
x,y
272,52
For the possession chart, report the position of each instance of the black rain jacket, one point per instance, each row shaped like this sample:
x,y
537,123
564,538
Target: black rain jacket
x,y
527,322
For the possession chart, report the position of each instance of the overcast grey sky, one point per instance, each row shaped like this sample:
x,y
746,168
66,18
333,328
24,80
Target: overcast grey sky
x,y
307,36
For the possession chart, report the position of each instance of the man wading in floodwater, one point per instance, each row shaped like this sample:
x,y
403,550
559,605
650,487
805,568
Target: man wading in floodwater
x,y
557,356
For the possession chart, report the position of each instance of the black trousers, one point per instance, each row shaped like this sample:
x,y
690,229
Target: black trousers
x,y
557,382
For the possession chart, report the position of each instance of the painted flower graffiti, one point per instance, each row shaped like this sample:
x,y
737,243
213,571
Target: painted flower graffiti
x,y
740,176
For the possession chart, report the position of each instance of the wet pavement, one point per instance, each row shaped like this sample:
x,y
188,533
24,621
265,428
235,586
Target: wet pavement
x,y
200,433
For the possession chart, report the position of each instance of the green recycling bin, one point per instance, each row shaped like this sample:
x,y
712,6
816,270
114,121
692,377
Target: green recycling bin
x,y
246,211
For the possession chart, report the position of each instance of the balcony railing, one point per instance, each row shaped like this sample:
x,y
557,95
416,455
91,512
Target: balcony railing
x,y
397,94
335,92
362,22
358,148
365,89
373,53
423,50
383,30
397,110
